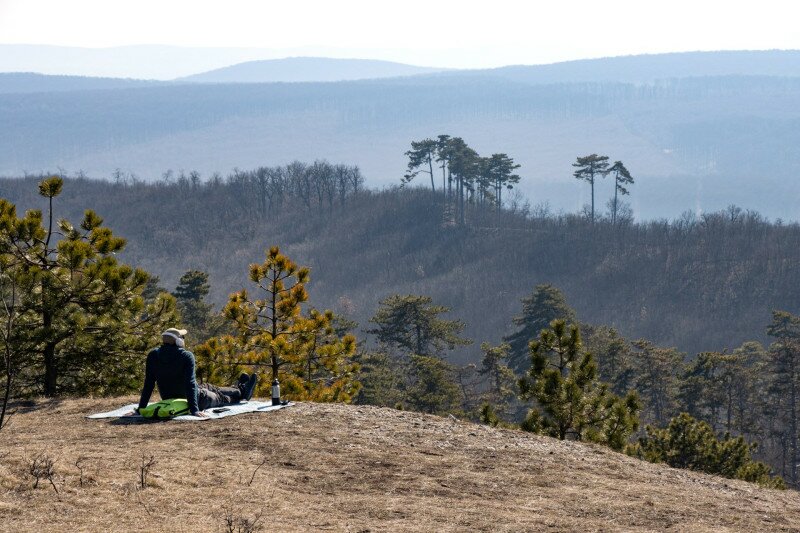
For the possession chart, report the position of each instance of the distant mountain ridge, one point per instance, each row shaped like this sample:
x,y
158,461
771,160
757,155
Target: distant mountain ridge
x,y
32,82
703,137
652,67
637,69
307,69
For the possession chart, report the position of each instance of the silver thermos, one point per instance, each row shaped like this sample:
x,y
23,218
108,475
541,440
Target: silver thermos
x,y
276,392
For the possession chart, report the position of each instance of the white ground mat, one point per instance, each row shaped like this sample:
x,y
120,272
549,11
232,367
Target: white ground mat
x,y
229,410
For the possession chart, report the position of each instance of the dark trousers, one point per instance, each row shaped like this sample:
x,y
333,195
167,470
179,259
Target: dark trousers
x,y
212,396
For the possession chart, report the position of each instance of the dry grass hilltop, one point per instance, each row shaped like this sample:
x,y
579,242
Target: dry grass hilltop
x,y
320,467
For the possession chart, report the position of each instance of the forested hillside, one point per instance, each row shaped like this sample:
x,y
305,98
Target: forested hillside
x,y
409,296
697,283
29,82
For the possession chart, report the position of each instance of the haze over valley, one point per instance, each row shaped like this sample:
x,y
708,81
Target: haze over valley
x,y
710,128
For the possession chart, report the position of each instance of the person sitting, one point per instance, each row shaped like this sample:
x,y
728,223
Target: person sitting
x,y
172,368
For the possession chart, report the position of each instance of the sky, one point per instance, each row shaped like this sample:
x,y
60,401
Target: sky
x,y
461,34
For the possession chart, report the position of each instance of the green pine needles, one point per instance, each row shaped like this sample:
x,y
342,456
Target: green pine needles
x,y
691,444
74,316
571,402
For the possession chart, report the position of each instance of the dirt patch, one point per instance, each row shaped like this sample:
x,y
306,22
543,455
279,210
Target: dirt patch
x,y
345,468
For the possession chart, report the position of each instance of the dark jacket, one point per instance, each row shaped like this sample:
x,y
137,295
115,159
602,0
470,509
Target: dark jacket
x,y
172,369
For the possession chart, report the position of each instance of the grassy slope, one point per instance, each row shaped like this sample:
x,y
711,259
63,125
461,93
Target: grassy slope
x,y
345,468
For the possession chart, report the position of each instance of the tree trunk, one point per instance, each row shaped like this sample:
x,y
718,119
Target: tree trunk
x,y
7,391
449,184
50,370
274,324
499,202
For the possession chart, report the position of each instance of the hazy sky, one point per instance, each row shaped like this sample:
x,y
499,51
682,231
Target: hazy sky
x,y
448,33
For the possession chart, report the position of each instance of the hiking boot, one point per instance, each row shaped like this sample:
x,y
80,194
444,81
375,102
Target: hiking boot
x,y
243,379
248,387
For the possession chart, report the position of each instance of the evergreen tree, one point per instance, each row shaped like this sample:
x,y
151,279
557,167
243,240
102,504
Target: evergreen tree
x,y
464,167
412,324
422,153
722,389
656,380
17,322
692,444
589,168
613,354
443,158
383,379
198,316
784,366
432,388
325,370
744,396
302,351
704,385
152,289
221,360
88,321
572,403
621,178
500,169
192,287
544,305
502,382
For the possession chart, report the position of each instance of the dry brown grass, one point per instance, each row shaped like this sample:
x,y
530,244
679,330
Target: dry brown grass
x,y
346,468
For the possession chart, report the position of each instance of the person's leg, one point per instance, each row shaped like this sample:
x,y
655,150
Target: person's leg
x,y
233,394
208,397
213,396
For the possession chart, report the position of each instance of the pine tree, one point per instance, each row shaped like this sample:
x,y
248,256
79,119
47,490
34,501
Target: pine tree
x,y
432,388
544,305
17,322
422,154
744,395
412,324
692,444
89,322
656,380
502,381
382,377
621,178
613,354
197,315
571,401
784,359
589,168
192,287
464,167
703,387
325,370
500,169
303,351
152,289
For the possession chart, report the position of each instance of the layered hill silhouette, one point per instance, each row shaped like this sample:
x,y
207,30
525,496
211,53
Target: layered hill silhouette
x,y
648,68
307,69
31,82
351,468
713,129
